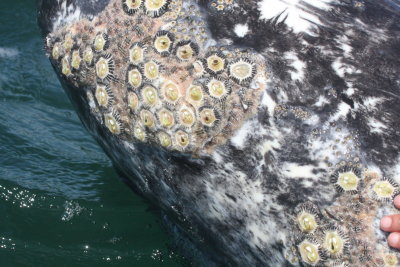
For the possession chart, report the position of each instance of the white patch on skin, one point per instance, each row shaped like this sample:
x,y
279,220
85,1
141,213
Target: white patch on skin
x,y
241,30
322,100
370,103
343,110
297,16
294,170
66,15
239,139
267,101
6,52
341,68
297,64
376,126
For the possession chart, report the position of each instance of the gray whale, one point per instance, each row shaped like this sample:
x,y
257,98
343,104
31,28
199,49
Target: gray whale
x,y
268,130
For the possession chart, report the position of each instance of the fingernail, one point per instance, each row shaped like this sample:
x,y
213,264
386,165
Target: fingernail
x,y
394,239
386,222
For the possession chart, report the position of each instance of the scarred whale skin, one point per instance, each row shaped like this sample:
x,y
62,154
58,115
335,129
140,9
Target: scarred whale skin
x,y
267,129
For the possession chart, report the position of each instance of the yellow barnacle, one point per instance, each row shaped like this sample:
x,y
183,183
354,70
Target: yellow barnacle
x,y
149,94
154,5
182,138
241,70
147,118
216,88
166,118
88,55
65,68
139,133
309,252
55,53
198,68
102,68
99,42
136,54
195,93
135,78
68,43
207,117
171,91
165,139
185,52
102,96
215,63
306,222
383,189
133,101
333,243
390,260
151,70
162,43
348,181
112,124
76,60
133,4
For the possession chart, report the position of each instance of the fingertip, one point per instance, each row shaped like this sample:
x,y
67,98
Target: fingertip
x,y
386,223
396,201
394,240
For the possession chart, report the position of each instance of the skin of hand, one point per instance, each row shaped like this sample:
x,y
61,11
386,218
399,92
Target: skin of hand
x,y
391,223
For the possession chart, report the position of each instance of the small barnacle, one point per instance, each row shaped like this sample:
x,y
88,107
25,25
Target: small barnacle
x,y
149,95
182,139
105,68
164,139
215,63
113,122
166,118
76,60
65,68
186,116
156,8
186,50
163,42
307,222
133,101
103,95
139,133
390,260
151,70
68,43
147,118
194,93
309,252
384,189
334,243
131,6
207,117
170,91
134,77
56,53
88,56
198,68
136,53
217,88
101,42
241,70
346,180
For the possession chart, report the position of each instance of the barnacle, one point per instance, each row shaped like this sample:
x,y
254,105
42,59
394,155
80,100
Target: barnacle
x,y
133,101
156,8
215,63
164,139
139,133
101,42
112,122
334,242
163,42
241,70
182,139
76,60
136,53
170,91
186,116
134,77
131,6
65,67
309,252
186,50
166,118
105,68
217,88
68,43
390,260
88,55
149,95
56,53
147,118
103,95
194,93
384,189
346,180
207,117
151,70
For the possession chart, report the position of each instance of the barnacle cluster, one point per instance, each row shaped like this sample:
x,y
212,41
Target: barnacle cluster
x,y
342,234
154,76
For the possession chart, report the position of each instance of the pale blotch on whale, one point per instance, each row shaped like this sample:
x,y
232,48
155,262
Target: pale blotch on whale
x,y
153,76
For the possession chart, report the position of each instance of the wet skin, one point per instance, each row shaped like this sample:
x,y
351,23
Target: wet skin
x,y
391,223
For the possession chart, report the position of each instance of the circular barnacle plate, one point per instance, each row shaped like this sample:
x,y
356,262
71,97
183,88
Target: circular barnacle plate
x,y
170,91
100,42
88,56
134,77
56,51
76,60
105,68
149,95
217,88
65,66
139,133
104,96
309,252
156,8
195,94
187,116
164,139
163,43
186,50
147,118
384,189
137,52
151,70
133,101
347,179
113,122
242,71
131,6
208,117
307,217
390,260
198,68
215,63
335,242
68,43
181,140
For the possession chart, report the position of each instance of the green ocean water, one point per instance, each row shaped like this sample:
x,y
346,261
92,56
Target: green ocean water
x,y
61,203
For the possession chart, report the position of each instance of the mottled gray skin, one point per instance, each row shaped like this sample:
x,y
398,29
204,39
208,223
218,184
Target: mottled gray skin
x,y
237,204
